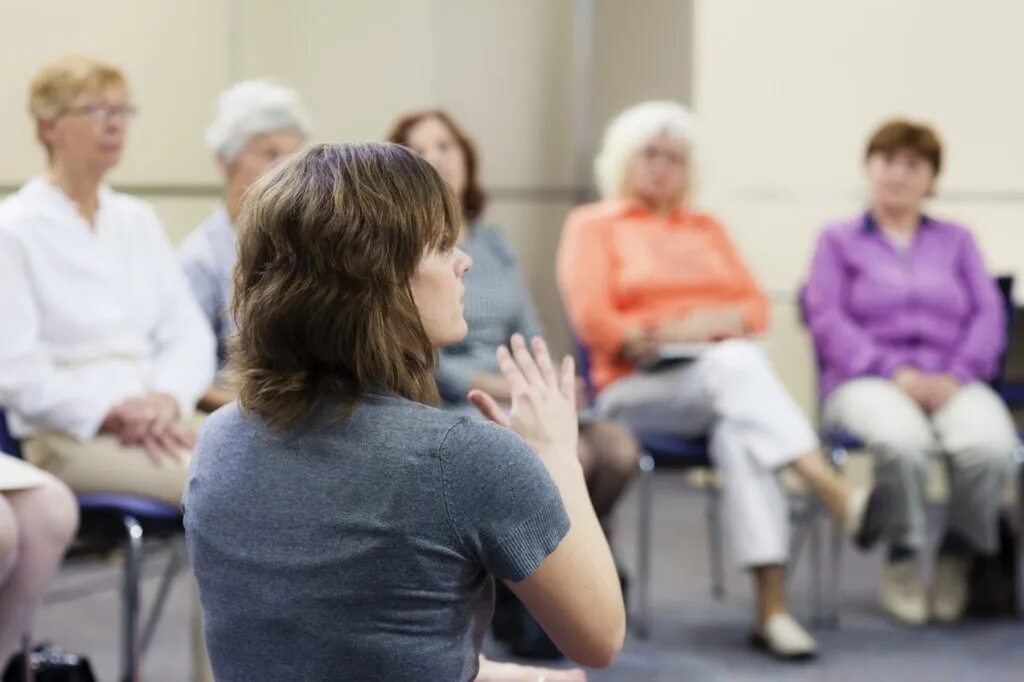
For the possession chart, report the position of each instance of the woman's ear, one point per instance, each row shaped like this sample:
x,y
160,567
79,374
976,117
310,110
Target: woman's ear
x,y
46,131
222,165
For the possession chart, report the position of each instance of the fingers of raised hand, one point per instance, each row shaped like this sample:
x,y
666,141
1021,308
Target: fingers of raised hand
x,y
567,380
524,359
517,383
543,359
488,407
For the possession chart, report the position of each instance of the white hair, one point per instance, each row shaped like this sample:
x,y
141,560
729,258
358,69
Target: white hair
x,y
630,131
252,108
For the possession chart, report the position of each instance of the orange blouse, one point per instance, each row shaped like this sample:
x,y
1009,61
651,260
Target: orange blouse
x,y
620,267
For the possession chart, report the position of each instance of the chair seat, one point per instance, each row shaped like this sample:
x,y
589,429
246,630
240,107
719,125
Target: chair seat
x,y
841,438
136,505
1012,393
674,451
102,520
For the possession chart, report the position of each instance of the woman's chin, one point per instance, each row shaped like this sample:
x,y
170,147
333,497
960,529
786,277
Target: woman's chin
x,y
458,333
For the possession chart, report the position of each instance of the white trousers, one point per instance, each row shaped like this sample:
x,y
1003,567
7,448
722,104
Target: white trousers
x,y
974,433
731,394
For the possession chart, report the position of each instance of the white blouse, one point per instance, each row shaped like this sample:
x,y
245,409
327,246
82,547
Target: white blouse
x,y
92,315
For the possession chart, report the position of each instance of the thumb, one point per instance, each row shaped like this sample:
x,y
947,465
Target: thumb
x,y
489,408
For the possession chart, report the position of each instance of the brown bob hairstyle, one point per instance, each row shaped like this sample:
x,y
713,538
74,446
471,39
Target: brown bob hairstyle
x,y
327,243
473,198
904,135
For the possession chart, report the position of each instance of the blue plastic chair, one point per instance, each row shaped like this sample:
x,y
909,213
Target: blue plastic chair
x,y
840,442
665,451
669,451
111,520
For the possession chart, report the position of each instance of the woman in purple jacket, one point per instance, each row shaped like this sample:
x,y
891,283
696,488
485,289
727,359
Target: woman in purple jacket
x,y
910,326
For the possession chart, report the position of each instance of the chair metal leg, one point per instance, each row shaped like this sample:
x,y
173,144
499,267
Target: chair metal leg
x,y
816,583
798,517
1020,534
27,674
838,539
645,492
174,566
130,600
714,516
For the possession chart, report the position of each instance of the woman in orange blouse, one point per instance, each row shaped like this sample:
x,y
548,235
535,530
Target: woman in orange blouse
x,y
640,271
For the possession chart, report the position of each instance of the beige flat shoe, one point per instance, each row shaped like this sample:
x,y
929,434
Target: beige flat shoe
x,y
949,588
785,638
903,592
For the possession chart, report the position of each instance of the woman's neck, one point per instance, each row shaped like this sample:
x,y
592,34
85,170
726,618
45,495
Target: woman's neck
x,y
233,200
80,185
898,220
660,208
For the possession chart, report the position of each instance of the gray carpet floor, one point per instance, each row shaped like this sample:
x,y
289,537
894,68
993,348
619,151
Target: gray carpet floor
x,y
693,636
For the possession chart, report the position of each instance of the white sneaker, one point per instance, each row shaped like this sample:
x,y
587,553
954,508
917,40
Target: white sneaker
x,y
949,588
785,638
903,592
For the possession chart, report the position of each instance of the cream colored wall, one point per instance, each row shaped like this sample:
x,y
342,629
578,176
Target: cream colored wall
x,y
176,58
787,92
503,67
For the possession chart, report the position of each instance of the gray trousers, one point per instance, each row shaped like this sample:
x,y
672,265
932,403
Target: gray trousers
x,y
973,432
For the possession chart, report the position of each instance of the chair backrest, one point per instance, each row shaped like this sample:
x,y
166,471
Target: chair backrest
x,y
1003,282
583,369
8,443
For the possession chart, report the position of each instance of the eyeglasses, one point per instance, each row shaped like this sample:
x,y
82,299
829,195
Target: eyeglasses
x,y
654,153
101,113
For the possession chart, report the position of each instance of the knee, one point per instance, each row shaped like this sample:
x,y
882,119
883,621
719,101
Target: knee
x,y
51,512
988,455
738,355
586,456
8,539
614,447
733,365
901,446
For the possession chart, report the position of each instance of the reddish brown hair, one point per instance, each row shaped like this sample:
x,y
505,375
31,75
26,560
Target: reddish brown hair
x,y
327,244
473,198
904,135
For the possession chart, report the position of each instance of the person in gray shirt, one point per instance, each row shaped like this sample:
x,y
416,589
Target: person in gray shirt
x,y
498,305
257,123
340,526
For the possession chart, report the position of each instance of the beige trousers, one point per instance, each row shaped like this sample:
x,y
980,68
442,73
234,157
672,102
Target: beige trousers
x,y
973,432
103,465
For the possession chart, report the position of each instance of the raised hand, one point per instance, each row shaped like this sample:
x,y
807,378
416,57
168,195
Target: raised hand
x,y
543,409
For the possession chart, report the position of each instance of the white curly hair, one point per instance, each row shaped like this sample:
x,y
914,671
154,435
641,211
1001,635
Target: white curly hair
x,y
252,108
630,131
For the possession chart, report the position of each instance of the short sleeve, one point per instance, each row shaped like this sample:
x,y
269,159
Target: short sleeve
x,y
503,506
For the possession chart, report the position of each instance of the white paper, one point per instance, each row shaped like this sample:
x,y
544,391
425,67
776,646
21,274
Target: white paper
x,y
17,475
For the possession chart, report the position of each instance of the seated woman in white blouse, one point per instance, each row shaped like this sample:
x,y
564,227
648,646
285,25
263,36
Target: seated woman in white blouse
x,y
104,351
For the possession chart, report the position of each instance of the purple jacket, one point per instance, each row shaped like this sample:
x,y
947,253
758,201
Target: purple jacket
x,y
873,307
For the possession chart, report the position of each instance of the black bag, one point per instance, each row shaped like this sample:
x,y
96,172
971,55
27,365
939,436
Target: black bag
x,y
50,664
992,583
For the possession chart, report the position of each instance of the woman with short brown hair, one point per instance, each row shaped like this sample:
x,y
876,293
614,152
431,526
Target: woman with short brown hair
x,y
910,328
368,524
